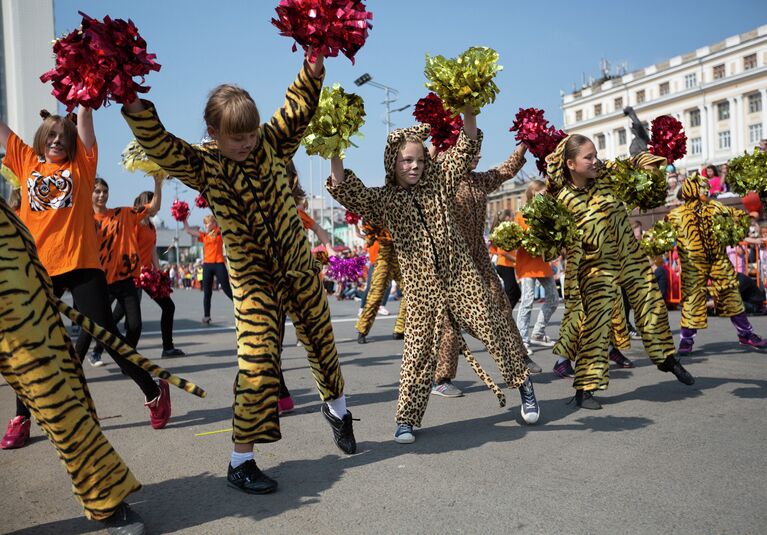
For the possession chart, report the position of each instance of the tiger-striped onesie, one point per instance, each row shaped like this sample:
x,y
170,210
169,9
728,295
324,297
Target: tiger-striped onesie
x,y
440,278
386,270
39,363
703,259
606,258
470,208
271,266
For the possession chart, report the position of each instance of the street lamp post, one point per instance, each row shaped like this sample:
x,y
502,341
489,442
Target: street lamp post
x,y
391,96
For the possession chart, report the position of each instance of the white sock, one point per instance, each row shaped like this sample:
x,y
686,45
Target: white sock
x,y
238,458
560,360
338,407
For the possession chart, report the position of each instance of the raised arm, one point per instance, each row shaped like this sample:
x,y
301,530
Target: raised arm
x,y
192,231
491,180
85,130
455,165
286,127
344,186
156,203
324,238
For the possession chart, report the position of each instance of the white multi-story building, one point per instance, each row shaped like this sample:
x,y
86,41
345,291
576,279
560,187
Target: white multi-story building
x,y
26,33
718,92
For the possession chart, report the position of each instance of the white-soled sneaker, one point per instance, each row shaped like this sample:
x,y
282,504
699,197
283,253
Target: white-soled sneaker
x,y
530,409
543,341
404,434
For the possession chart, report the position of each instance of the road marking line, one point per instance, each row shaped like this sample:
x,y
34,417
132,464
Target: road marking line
x,y
213,432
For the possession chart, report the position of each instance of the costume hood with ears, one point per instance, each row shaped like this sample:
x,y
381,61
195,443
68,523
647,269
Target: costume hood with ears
x,y
692,187
556,176
416,134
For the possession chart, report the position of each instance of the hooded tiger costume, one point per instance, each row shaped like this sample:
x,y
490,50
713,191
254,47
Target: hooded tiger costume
x,y
605,258
441,280
703,259
38,361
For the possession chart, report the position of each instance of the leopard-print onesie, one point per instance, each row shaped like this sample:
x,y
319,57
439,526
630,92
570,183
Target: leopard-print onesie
x,y
470,209
439,274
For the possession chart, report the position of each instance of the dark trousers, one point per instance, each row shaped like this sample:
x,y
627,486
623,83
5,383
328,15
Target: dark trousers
x,y
510,285
168,309
210,270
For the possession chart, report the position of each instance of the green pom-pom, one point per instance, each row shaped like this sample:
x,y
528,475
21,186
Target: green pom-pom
x,y
638,187
551,227
748,173
135,160
730,229
507,236
10,177
659,239
464,81
339,116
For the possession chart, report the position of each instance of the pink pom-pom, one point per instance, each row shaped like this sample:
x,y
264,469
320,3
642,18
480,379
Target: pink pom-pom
x,y
200,202
534,131
352,218
668,138
154,282
346,269
98,63
179,210
444,128
327,26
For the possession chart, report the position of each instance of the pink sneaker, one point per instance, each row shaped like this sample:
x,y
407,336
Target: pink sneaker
x,y
159,407
752,339
285,405
17,434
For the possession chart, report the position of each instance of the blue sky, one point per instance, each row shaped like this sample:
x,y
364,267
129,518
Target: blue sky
x,y
544,47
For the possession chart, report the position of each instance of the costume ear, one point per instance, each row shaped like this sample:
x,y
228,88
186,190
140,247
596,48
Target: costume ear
x,y
421,131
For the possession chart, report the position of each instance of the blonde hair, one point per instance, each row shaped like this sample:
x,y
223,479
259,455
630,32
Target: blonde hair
x,y
534,187
208,218
231,110
69,137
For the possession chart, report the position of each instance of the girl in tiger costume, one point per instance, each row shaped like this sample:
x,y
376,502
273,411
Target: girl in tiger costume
x,y
40,364
385,269
243,178
605,258
441,280
57,175
703,259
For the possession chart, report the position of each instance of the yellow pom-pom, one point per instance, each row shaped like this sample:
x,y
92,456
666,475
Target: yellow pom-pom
x,y
10,177
339,116
135,160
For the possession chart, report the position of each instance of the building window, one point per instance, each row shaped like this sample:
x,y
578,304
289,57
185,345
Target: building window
x,y
718,71
696,146
754,103
723,111
600,141
618,102
694,118
597,110
664,89
754,134
621,136
690,80
578,115
640,96
749,62
724,140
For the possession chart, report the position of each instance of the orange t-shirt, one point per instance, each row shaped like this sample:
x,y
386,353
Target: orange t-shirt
x,y
306,219
212,247
118,239
529,266
147,241
502,260
56,206
373,252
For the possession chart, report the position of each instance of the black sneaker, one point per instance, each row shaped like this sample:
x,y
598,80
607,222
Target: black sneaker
x,y
530,410
362,339
398,336
343,432
620,359
248,478
674,366
172,352
585,400
124,521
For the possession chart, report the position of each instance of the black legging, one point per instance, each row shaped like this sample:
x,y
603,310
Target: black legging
x,y
166,319
90,293
210,270
627,310
510,285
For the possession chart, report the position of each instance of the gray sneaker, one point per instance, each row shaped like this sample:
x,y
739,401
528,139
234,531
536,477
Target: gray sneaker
x,y
404,434
542,340
446,390
532,367
95,360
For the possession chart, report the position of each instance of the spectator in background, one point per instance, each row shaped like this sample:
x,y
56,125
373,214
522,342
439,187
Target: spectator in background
x,y
672,179
714,180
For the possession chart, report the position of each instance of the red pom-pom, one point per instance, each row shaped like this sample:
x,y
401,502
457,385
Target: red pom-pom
x,y
200,202
668,138
352,218
98,62
327,26
534,131
154,282
179,210
444,128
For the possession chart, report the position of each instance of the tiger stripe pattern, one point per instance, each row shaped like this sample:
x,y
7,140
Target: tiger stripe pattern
x,y
271,268
386,270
